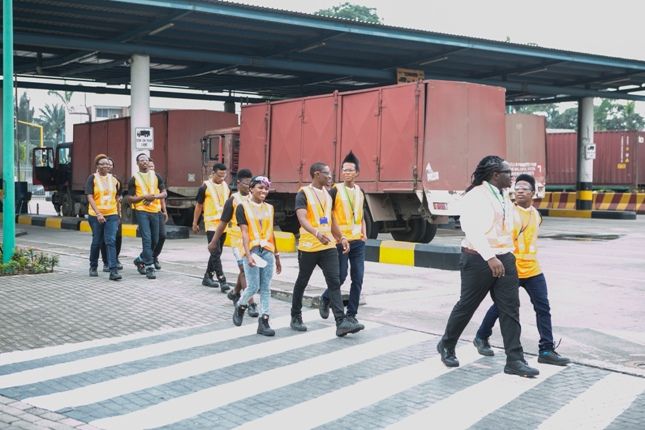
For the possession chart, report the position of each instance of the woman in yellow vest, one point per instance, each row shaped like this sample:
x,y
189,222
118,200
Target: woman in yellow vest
x,y
255,218
101,189
526,222
211,197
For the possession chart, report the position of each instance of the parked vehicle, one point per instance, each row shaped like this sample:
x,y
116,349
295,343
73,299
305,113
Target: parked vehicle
x,y
526,147
619,162
417,143
178,155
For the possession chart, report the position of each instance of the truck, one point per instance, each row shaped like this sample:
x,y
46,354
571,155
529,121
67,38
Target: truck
x,y
179,159
418,144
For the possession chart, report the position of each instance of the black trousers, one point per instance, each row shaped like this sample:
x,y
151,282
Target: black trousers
x,y
162,238
215,259
476,281
327,260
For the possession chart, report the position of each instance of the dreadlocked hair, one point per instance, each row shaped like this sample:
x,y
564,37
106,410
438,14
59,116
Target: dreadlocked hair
x,y
485,169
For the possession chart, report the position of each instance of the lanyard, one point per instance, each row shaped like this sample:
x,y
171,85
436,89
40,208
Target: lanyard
x,y
148,189
500,199
524,227
351,201
323,207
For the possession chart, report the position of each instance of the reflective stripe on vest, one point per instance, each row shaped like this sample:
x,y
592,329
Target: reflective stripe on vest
x,y
260,227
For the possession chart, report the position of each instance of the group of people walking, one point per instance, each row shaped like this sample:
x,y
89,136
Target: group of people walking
x,y
499,251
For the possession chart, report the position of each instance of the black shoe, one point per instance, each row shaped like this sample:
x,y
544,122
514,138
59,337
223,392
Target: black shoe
x,y
93,272
119,266
106,268
483,347
353,319
209,282
448,356
253,310
263,326
347,326
552,357
520,368
150,273
238,314
323,308
115,276
141,268
157,265
297,324
223,286
233,297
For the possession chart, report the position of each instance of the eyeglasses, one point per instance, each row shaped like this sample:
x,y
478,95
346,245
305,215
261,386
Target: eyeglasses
x,y
523,189
508,172
349,170
247,183
326,173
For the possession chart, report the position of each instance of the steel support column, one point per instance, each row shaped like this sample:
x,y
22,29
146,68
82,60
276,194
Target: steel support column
x,y
586,154
9,200
139,102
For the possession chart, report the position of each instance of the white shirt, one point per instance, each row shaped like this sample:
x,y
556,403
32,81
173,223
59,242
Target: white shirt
x,y
486,217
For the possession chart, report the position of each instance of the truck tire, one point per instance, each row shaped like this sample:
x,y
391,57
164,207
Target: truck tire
x,y
414,233
290,224
184,217
371,226
431,231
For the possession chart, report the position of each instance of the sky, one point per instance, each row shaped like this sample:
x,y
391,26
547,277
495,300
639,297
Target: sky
x,y
607,28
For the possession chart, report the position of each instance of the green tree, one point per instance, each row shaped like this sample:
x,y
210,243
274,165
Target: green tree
x,y
52,118
352,12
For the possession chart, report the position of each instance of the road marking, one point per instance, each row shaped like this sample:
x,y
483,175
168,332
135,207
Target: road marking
x,y
150,378
466,407
184,407
337,404
597,407
74,367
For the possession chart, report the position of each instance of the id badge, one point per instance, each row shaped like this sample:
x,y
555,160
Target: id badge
x,y
324,220
356,229
264,243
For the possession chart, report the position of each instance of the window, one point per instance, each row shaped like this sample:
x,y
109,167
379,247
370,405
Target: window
x,y
108,112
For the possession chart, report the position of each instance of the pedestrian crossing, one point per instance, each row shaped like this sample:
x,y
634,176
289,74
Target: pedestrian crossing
x,y
219,377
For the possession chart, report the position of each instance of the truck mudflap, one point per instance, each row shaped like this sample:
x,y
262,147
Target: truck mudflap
x,y
443,203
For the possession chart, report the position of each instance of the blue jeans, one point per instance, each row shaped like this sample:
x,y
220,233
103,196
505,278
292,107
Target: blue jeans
x,y
103,233
259,279
535,286
149,230
355,260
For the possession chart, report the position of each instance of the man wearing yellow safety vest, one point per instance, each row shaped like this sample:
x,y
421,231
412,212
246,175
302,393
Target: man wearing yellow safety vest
x,y
526,225
145,189
347,213
211,197
229,224
317,247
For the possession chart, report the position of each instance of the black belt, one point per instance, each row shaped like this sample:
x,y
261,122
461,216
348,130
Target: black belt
x,y
469,251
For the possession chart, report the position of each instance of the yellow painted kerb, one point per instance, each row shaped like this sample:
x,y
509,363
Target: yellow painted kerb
x,y
24,219
84,226
393,252
53,222
570,213
129,230
585,195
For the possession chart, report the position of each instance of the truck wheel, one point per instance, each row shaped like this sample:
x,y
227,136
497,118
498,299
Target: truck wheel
x,y
290,224
414,233
184,217
371,226
431,230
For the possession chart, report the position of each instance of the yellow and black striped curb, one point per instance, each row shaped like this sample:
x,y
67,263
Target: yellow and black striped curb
x,y
286,242
606,201
574,213
413,254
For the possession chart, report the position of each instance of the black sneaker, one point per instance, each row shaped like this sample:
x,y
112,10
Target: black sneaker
x,y
141,268
353,319
347,326
150,273
520,368
223,286
263,326
233,297
238,314
323,308
157,265
106,268
448,356
552,357
297,324
119,266
115,276
253,310
93,272
209,282
483,347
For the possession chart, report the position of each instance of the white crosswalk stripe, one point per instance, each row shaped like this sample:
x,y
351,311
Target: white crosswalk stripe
x,y
599,405
197,379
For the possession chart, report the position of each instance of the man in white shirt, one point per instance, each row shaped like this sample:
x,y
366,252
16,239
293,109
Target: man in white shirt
x,y
487,264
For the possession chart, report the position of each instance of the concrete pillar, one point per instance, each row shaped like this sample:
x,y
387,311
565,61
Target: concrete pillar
x,y
586,154
139,102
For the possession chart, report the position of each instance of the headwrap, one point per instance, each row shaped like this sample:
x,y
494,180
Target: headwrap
x,y
260,180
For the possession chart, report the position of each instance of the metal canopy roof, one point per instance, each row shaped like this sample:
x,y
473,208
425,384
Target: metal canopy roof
x,y
220,46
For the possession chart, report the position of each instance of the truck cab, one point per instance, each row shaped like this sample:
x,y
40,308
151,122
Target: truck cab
x,y
52,168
